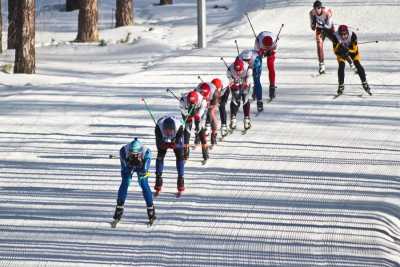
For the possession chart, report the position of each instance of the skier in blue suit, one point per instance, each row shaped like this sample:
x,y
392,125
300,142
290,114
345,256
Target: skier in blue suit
x,y
134,158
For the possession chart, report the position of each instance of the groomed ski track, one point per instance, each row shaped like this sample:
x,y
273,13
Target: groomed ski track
x,y
314,182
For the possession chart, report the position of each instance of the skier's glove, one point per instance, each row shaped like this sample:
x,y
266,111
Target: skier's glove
x,y
343,51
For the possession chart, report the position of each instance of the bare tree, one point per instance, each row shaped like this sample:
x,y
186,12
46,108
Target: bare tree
x,y
25,37
11,24
87,21
124,13
71,5
166,2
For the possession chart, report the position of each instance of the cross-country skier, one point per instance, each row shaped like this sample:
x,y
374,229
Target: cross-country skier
x,y
225,92
134,157
169,134
321,22
253,58
215,100
344,46
266,44
193,107
238,74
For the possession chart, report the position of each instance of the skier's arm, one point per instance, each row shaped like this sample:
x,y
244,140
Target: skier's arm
x,y
353,46
146,164
329,20
312,21
126,171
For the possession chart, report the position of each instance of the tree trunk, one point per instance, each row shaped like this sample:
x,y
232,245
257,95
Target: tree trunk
x,y
124,13
87,22
1,31
25,37
166,2
11,24
72,5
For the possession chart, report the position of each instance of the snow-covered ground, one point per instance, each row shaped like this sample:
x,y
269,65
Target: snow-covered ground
x,y
315,182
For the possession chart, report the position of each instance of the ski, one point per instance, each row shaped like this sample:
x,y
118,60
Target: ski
x,y
204,162
245,131
156,193
337,95
114,223
178,194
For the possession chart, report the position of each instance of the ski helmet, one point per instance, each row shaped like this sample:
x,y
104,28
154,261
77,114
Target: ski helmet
x,y
205,90
169,124
193,98
135,147
246,55
343,29
317,4
218,83
238,64
168,130
267,41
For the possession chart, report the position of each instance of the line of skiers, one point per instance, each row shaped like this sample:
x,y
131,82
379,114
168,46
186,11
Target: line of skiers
x,y
199,106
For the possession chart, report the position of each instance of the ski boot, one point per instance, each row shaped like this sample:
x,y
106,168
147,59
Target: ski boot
x,y
260,107
213,138
247,123
340,89
158,186
186,151
366,87
180,186
272,89
232,125
321,69
119,210
224,130
151,214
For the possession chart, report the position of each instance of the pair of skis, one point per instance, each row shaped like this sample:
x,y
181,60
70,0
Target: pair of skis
x,y
150,223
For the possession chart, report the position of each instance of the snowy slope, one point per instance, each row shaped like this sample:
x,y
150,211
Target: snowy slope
x,y
315,182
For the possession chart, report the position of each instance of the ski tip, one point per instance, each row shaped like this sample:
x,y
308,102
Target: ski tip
x,y
178,194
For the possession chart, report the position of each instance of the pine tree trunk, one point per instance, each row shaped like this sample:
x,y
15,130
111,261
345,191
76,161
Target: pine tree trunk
x,y
87,22
71,5
1,30
166,2
25,37
11,24
124,13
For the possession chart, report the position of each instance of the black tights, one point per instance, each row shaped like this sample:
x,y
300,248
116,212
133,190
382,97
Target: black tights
x,y
360,69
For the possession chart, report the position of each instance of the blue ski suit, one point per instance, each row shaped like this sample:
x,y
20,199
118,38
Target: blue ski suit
x,y
142,171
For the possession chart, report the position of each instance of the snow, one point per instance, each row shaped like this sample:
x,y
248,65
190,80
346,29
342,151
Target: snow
x,y
315,182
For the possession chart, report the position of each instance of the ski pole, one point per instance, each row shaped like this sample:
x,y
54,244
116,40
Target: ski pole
x,y
113,157
148,109
198,77
251,25
279,32
369,42
237,47
173,93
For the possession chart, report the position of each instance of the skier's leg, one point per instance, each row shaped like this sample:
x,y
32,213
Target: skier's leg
x,y
256,77
360,70
146,191
342,65
271,75
180,167
122,194
159,168
320,45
